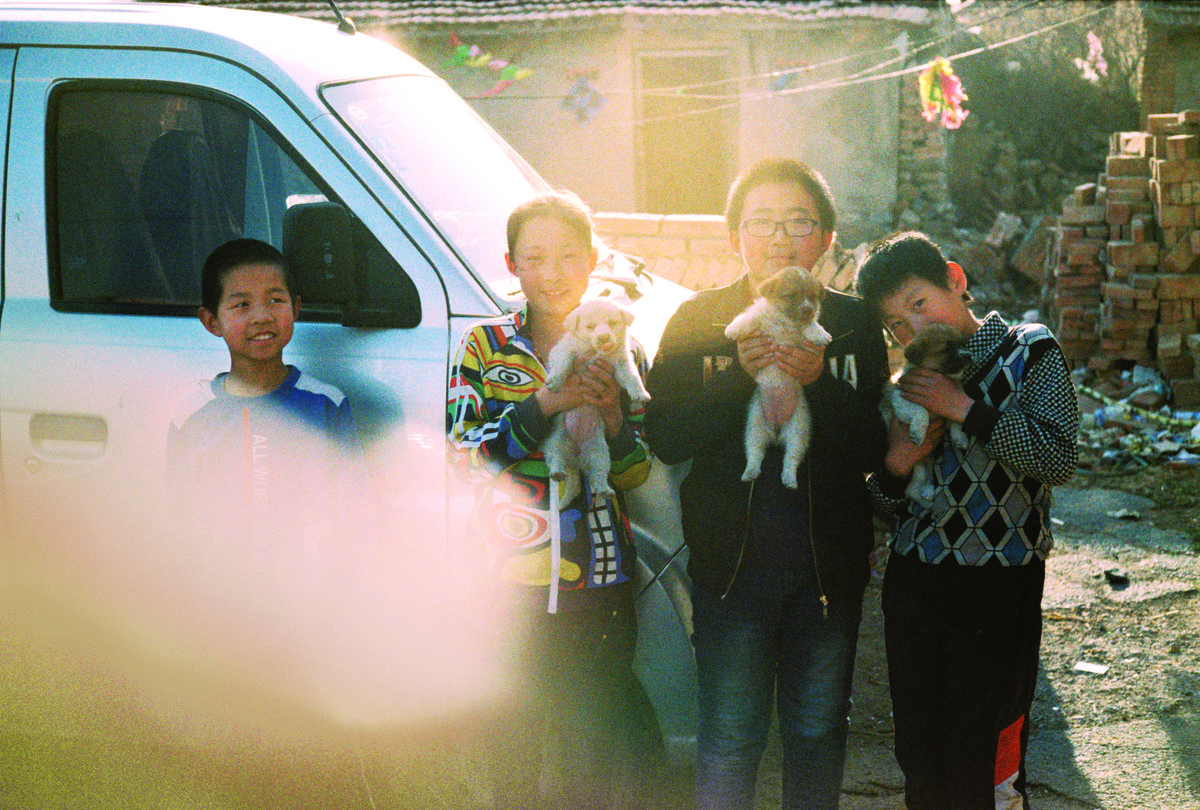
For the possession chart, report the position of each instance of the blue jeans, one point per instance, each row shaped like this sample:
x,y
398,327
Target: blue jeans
x,y
768,640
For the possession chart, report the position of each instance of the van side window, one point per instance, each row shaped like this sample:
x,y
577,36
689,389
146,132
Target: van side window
x,y
145,184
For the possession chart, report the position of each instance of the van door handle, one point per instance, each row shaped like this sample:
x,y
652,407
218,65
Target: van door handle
x,y
63,436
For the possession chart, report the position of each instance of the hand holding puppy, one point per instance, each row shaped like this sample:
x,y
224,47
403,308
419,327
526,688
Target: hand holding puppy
x,y
903,455
803,362
590,383
937,393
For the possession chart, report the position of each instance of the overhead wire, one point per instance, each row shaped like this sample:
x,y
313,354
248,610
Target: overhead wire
x,y
832,84
682,90
865,76
849,81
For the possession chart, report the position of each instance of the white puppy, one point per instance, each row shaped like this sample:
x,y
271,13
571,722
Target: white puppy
x,y
787,313
596,328
941,348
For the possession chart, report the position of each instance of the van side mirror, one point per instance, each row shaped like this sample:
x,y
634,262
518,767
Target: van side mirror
x,y
339,264
320,253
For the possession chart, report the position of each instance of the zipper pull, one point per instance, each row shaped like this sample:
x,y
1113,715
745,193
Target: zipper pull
x,y
824,608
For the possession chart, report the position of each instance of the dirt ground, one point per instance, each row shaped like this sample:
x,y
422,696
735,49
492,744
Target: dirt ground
x,y
1115,725
1123,597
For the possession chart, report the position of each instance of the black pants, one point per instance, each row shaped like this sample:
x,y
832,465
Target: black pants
x,y
576,692
962,649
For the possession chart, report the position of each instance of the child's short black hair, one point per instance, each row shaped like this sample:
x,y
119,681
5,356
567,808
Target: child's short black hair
x,y
897,258
232,255
781,170
566,206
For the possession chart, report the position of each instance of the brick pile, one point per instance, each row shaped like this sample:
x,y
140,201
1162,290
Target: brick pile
x,y
1127,281
1081,237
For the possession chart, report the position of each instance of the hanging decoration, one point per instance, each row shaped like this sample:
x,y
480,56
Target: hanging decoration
x,y
1095,65
465,55
942,94
583,98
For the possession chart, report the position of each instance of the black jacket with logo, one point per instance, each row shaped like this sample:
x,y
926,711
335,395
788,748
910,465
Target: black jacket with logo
x,y
698,411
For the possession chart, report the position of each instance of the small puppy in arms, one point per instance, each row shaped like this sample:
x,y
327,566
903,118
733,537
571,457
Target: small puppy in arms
x,y
596,328
787,313
942,349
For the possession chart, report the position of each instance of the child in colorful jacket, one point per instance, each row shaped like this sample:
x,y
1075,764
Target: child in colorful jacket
x,y
575,633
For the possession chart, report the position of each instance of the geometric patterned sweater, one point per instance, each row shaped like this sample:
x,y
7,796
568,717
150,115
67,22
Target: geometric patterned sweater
x,y
992,498
494,423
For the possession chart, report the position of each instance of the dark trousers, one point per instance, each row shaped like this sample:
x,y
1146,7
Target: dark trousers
x,y
770,642
962,649
576,693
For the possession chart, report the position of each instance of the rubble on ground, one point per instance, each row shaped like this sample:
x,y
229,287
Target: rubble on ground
x,y
1126,422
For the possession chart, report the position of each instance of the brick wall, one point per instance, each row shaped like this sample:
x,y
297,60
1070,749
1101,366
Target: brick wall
x,y
693,249
689,249
922,193
1128,257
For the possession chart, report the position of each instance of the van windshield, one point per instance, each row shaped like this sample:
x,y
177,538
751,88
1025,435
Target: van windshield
x,y
449,160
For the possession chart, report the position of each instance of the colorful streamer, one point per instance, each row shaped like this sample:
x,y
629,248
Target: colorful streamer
x,y
465,55
942,94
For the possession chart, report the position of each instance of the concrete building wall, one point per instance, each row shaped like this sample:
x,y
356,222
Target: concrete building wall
x,y
849,133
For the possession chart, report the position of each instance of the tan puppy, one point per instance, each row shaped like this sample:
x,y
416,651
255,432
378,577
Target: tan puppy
x,y
942,349
596,328
787,313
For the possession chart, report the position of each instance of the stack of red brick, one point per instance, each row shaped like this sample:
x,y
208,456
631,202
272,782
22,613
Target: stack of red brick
x,y
1127,284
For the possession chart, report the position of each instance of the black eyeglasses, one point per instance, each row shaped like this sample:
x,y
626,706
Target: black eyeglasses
x,y
794,228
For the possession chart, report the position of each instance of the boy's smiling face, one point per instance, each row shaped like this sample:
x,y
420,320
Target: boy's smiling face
x,y
779,202
553,265
256,314
918,302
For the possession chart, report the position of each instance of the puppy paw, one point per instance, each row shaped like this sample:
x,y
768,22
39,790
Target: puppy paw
x,y
751,473
599,496
789,479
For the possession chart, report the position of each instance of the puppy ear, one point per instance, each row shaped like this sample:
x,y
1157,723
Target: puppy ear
x,y
914,352
627,314
810,288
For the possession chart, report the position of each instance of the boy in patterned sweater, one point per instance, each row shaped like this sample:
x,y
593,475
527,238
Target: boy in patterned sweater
x,y
963,587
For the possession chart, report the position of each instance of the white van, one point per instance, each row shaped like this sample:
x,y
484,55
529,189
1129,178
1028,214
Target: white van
x,y
138,137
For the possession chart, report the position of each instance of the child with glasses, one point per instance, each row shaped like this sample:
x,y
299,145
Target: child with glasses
x,y
778,574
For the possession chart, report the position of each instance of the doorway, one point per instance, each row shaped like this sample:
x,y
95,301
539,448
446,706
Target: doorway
x,y
684,139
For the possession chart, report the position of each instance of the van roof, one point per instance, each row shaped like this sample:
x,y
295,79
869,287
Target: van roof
x,y
276,46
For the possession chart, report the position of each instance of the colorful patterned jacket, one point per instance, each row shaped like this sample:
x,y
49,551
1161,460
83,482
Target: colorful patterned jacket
x,y
495,423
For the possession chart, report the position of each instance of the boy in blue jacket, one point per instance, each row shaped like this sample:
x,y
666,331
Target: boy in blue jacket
x,y
263,455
